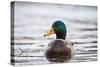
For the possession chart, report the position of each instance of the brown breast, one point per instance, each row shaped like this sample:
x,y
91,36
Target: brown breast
x,y
58,52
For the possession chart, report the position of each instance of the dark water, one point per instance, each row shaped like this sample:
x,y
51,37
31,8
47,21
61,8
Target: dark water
x,y
32,20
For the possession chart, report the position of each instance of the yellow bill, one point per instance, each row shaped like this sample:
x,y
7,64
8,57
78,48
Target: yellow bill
x,y
50,32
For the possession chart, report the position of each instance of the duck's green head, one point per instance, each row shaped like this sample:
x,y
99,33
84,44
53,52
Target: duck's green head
x,y
59,29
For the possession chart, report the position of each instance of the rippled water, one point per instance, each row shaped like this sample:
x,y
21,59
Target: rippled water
x,y
32,20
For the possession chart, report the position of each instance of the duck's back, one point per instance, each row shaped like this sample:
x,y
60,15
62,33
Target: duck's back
x,y
58,52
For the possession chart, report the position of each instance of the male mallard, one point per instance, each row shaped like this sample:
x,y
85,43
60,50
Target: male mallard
x,y
59,50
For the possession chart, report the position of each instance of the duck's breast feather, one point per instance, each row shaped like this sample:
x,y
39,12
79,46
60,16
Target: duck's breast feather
x,y
58,49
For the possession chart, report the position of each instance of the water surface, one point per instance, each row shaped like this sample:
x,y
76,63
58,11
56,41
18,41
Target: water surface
x,y
32,20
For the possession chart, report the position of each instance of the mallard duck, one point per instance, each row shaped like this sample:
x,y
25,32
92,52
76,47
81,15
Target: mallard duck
x,y
60,50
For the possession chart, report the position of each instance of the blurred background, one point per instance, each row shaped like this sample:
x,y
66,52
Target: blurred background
x,y
32,20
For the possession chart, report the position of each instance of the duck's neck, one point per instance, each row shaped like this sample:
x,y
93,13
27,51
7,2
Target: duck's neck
x,y
61,36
